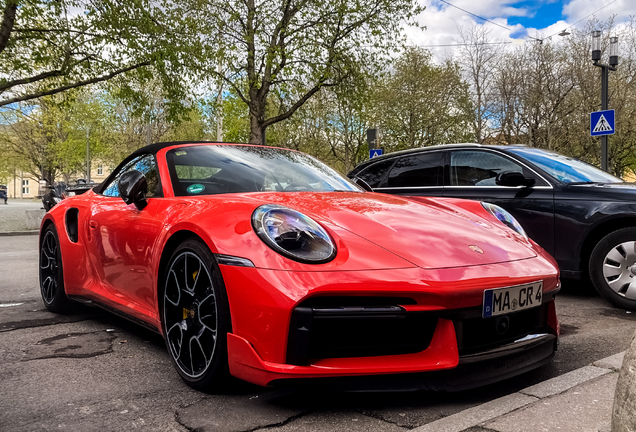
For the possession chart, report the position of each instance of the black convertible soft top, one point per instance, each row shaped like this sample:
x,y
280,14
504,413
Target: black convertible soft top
x,y
149,149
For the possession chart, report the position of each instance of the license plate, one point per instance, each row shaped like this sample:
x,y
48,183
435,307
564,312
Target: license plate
x,y
500,301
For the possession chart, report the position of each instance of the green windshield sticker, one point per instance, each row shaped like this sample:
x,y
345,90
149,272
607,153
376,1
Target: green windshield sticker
x,y
195,188
180,153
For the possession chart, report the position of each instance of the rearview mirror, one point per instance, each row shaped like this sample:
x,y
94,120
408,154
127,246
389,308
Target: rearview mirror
x,y
133,188
513,179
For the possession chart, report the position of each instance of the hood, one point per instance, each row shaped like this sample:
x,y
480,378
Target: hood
x,y
429,233
603,191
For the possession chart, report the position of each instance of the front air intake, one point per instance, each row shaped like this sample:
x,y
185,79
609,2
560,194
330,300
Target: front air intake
x,y
356,327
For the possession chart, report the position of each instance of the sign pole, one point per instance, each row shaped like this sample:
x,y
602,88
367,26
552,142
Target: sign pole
x,y
604,97
373,138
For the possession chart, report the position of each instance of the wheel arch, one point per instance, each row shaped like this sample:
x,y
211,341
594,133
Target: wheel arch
x,y
597,233
45,224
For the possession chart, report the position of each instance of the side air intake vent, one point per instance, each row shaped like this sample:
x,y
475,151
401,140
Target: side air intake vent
x,y
71,224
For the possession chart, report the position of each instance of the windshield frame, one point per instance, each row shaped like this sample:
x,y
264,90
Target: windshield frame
x,y
246,160
575,171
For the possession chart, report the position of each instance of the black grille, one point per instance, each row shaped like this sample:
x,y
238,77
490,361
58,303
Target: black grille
x,y
356,327
476,334
335,327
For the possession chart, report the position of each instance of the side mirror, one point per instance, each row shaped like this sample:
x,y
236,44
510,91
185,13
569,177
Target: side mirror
x,y
364,185
133,188
513,179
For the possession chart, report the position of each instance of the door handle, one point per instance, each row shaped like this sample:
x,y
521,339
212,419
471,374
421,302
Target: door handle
x,y
92,224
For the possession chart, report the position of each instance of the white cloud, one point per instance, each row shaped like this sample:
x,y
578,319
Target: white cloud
x,y
578,9
442,21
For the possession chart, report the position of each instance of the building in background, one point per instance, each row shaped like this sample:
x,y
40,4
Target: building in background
x,y
25,186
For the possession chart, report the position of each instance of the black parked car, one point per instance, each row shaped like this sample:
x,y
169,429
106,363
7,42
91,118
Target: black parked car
x,y
581,215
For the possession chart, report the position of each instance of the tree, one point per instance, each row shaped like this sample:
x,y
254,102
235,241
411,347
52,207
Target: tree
x,y
331,125
295,47
422,104
147,118
479,60
48,140
48,47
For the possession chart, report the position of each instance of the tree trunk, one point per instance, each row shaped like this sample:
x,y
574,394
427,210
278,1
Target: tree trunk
x,y
257,132
48,175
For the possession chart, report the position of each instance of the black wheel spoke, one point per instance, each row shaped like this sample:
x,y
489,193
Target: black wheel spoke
x,y
190,314
47,289
198,359
173,291
175,338
207,313
45,260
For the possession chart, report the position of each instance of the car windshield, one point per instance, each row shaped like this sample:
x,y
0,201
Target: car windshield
x,y
217,169
564,168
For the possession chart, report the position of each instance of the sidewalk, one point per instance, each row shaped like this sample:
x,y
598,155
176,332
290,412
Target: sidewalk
x,y
20,216
579,401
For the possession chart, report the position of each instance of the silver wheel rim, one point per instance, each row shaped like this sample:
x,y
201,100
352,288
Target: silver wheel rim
x,y
48,268
619,269
190,314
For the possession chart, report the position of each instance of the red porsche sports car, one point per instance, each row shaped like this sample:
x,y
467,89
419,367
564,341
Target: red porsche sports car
x,y
265,264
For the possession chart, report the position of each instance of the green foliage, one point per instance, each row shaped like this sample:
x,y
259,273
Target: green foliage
x,y
55,46
332,125
422,103
292,47
236,122
314,75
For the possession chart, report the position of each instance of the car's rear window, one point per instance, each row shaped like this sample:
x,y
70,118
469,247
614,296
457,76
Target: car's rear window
x,y
217,169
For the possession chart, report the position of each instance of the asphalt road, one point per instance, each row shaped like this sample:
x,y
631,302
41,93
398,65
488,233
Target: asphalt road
x,y
95,372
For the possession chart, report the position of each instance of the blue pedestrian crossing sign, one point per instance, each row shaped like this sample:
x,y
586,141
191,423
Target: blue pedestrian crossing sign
x,y
374,152
602,123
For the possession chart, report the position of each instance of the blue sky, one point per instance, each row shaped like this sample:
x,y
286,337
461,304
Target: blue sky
x,y
515,21
540,14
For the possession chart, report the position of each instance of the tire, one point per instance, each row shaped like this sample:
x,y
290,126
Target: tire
x,y
52,274
613,268
196,317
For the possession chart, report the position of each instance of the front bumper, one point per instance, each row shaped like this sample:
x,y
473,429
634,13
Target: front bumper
x,y
263,302
519,358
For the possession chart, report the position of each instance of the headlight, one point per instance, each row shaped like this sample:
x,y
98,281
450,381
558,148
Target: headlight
x,y
505,218
293,234
57,200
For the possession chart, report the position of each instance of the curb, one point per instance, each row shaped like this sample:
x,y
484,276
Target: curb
x,y
488,411
19,233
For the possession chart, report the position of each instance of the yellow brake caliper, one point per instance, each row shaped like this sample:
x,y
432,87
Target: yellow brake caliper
x,y
187,312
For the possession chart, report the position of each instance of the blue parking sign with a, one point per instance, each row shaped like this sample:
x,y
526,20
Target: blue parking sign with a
x,y
374,152
602,123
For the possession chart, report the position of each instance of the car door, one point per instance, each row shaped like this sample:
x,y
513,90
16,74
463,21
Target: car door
x,y
471,174
419,174
122,238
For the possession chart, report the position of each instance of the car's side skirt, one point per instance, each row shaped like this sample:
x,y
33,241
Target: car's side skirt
x,y
91,302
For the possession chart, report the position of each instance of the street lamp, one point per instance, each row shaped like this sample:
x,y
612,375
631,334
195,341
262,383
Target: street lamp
x,y
613,51
596,58
596,45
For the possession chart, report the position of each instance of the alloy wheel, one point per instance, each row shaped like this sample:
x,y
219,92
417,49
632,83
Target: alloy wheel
x,y
49,268
190,314
619,269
